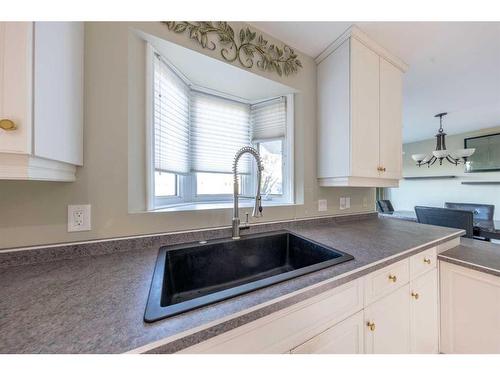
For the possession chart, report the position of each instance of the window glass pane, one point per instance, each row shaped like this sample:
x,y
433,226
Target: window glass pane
x,y
214,183
271,153
165,184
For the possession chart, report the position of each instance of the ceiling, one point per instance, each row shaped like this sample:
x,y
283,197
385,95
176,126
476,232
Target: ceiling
x,y
454,68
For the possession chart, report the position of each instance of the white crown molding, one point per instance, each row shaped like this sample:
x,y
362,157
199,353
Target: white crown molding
x,y
358,182
359,35
27,167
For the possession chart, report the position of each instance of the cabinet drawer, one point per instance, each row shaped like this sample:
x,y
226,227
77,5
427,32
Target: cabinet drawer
x,y
386,280
288,328
422,262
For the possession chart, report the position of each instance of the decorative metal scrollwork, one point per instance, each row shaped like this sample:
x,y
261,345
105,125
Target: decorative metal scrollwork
x,y
244,47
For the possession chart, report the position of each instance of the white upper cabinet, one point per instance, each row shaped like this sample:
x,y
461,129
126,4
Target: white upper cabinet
x,y
365,115
15,85
41,95
359,107
390,136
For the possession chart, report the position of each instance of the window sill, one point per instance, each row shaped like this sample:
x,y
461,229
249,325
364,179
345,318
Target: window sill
x,y
217,206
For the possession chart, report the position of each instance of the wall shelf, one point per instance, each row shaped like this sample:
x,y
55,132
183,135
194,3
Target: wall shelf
x,y
480,182
428,177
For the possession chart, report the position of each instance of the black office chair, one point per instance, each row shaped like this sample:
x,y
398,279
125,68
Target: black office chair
x,y
446,217
385,206
479,211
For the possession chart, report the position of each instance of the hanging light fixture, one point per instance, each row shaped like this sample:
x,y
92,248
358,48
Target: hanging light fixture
x,y
455,157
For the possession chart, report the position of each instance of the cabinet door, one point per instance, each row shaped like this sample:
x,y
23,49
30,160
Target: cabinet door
x,y
390,324
15,85
364,111
470,305
424,314
58,91
333,114
391,86
344,338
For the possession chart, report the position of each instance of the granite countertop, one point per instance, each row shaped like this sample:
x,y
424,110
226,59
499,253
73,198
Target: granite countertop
x,y
95,304
401,214
478,255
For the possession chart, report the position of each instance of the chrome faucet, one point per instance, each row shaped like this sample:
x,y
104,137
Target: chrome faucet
x,y
257,209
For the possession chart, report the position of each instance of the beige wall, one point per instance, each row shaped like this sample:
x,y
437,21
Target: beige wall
x,y
434,192
113,177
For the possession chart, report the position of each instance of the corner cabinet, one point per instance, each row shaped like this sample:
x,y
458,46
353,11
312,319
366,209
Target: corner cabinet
x,y
360,113
41,100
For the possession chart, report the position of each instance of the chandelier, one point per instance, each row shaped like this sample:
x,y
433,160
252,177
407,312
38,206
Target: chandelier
x,y
454,157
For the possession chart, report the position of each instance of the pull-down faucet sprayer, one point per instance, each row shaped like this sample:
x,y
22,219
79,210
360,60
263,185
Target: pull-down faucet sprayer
x,y
257,209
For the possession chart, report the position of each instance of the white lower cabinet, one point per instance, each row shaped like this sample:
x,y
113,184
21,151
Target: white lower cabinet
x,y
388,324
391,310
470,306
406,320
286,329
344,338
424,314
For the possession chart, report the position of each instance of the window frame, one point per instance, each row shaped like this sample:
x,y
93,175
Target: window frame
x,y
287,156
186,184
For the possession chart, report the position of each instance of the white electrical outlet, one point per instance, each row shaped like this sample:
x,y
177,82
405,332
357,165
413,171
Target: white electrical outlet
x,y
342,203
79,217
322,205
347,202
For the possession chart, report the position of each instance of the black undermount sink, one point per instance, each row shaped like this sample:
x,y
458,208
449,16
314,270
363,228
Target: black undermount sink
x,y
190,276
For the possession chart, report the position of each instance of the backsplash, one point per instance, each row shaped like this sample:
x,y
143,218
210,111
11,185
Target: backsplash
x,y
94,248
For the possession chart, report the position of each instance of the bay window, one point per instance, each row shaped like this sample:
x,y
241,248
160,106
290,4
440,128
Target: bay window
x,y
195,134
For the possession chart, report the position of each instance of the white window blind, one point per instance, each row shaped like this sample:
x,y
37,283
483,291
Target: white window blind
x,y
268,119
171,120
219,128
